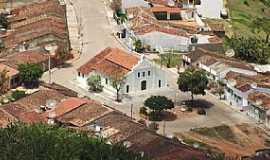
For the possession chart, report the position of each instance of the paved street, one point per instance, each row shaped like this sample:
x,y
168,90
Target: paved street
x,y
97,35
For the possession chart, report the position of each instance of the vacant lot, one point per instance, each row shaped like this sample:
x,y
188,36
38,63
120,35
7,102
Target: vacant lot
x,y
234,141
243,12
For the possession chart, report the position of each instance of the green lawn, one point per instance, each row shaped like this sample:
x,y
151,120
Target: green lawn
x,y
242,13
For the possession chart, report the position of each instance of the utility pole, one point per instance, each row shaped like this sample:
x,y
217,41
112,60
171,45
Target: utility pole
x,y
131,111
164,128
50,73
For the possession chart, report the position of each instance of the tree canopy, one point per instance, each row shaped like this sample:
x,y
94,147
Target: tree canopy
x,y
249,49
94,82
194,81
3,21
158,103
43,142
30,74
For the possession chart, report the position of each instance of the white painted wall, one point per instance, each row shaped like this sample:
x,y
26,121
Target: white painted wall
x,y
132,79
166,41
134,3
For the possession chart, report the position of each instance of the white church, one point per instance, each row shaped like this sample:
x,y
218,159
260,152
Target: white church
x,y
140,74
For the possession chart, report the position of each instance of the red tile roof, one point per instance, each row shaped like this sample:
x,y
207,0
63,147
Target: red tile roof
x,y
109,61
5,118
165,9
259,96
36,9
30,56
66,106
10,71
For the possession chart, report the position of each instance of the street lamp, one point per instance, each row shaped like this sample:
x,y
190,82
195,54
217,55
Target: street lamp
x,y
51,51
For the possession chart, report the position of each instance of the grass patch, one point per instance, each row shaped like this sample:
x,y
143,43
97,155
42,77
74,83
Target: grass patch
x,y
169,60
242,15
222,131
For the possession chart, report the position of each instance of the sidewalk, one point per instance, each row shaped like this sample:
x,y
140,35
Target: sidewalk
x,y
73,28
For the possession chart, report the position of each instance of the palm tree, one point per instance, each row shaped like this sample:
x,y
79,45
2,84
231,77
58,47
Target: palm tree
x,y
122,18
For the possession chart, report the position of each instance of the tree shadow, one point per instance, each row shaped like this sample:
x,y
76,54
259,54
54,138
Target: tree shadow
x,y
168,116
65,65
197,103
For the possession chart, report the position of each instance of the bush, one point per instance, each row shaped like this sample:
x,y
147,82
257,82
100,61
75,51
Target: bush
x,y
201,111
18,95
189,109
143,110
154,116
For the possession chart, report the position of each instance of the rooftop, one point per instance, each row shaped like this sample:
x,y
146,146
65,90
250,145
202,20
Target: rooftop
x,y
10,71
110,61
5,118
30,56
260,99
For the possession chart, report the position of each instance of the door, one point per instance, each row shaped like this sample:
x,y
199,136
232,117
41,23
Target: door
x,y
143,85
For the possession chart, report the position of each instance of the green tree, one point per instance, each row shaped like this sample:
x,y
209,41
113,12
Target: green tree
x,y
122,18
4,81
250,49
30,74
3,21
138,45
94,83
157,104
43,142
118,81
262,25
194,81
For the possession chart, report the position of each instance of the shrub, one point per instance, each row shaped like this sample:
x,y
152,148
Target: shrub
x,y
201,111
143,110
189,109
18,95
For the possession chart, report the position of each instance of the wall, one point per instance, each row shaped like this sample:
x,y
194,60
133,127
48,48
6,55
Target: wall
x,y
134,3
152,80
132,79
166,41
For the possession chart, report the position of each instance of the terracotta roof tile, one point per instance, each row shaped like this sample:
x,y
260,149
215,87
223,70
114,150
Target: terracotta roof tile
x,y
264,99
30,56
109,61
10,71
84,114
66,106
36,9
6,118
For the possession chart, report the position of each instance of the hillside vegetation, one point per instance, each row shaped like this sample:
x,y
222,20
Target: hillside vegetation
x,y
244,12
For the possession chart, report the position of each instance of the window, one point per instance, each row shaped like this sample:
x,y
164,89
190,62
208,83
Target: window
x,y
143,74
106,80
149,73
139,74
127,88
143,85
79,74
159,83
83,75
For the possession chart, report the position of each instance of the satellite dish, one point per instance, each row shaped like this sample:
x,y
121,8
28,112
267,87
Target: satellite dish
x,y
51,103
51,48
